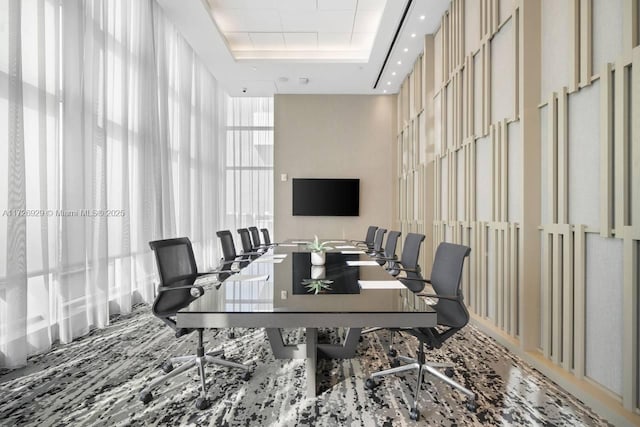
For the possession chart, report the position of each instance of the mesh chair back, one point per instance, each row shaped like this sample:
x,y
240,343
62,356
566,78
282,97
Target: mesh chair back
x,y
446,276
392,244
371,235
265,234
409,260
175,261
377,242
228,247
255,236
245,238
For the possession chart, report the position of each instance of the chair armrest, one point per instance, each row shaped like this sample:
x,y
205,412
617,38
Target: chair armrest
x,y
416,279
196,291
251,253
410,270
447,297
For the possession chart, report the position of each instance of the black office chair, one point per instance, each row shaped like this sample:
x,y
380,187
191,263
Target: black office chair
x,y
267,238
408,262
446,276
377,242
229,255
369,238
412,279
178,273
247,244
255,238
388,255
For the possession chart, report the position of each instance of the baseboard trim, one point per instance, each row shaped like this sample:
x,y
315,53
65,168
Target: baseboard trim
x,y
598,399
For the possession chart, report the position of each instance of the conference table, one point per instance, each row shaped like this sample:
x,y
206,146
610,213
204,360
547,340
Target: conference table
x,y
276,291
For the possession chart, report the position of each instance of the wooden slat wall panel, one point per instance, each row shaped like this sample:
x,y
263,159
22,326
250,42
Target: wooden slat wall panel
x,y
560,321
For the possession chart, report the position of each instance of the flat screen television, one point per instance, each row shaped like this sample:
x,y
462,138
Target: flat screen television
x,y
326,197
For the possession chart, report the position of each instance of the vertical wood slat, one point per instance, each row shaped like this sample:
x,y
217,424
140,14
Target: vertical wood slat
x,y
635,134
606,151
486,75
495,178
574,40
546,293
513,280
499,276
630,36
472,181
552,164
562,163
483,270
567,300
516,56
630,320
470,96
504,170
556,297
580,298
621,146
586,41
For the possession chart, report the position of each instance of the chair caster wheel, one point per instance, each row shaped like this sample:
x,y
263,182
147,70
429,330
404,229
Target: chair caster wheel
x,y
449,372
414,414
146,397
167,367
246,376
370,383
223,357
471,405
202,403
395,363
360,338
392,352
231,335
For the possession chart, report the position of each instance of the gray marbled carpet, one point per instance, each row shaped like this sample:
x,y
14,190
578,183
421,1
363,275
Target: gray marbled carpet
x,y
95,381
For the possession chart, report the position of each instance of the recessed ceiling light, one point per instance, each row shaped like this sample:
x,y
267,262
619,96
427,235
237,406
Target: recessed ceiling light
x,y
406,49
399,62
388,83
384,91
422,17
393,74
413,34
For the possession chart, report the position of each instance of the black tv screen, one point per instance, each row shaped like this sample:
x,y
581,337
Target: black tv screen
x,y
326,197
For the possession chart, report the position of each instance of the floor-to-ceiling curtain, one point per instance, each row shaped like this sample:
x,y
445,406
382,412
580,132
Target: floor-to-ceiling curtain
x,y
248,162
109,130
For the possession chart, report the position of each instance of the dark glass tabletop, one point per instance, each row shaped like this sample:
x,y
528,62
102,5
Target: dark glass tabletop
x,y
277,282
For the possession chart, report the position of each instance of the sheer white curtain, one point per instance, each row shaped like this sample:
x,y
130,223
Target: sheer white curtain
x,y
109,130
248,167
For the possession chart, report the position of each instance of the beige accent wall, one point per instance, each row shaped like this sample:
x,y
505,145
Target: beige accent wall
x,y
334,136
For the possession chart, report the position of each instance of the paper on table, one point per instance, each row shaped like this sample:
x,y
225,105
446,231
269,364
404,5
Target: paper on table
x,y
362,263
288,245
273,256
379,284
345,247
247,278
269,260
351,252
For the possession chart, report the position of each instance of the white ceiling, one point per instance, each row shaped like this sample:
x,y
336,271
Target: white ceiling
x,y
336,30
262,55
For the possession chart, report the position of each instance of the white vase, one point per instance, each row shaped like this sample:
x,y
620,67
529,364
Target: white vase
x,y
317,272
317,258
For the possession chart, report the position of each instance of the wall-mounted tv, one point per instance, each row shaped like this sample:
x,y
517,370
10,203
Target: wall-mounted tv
x,y
326,197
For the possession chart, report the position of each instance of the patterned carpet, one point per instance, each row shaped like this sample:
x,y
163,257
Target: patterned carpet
x,y
95,381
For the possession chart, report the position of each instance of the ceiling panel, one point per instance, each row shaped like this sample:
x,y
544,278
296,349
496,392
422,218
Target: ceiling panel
x,y
335,21
301,41
296,21
245,20
307,5
337,4
267,41
239,41
362,41
334,41
371,4
366,21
